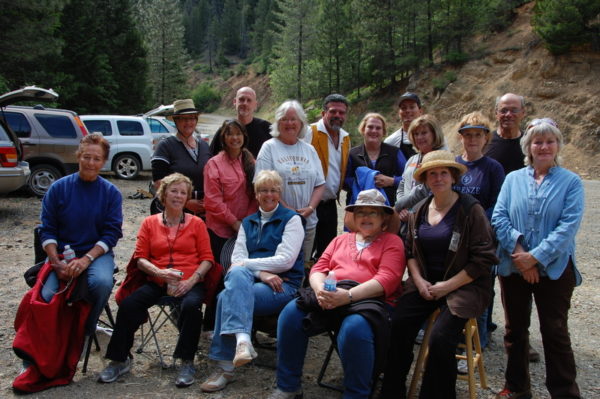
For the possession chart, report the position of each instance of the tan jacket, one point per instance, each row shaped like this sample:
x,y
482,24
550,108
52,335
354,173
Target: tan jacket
x,y
321,143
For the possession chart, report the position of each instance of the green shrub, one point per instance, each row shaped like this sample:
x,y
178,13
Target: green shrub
x,y
450,76
206,98
456,58
240,69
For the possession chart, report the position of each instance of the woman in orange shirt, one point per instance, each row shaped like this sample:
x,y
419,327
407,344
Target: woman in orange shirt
x,y
173,250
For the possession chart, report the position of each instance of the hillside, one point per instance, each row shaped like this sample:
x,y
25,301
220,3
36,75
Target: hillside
x,y
566,88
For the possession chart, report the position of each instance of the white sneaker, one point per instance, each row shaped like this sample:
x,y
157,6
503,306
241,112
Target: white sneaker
x,y
419,338
244,353
462,367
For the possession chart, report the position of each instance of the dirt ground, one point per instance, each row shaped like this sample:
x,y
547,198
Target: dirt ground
x,y
19,214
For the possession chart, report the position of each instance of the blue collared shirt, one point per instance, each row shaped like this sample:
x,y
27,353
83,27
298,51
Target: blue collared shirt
x,y
543,218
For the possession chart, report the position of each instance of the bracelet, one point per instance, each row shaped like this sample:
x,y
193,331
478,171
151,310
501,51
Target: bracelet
x,y
90,257
349,295
201,277
311,208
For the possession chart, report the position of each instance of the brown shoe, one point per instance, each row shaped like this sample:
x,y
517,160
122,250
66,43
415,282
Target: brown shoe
x,y
508,394
217,381
534,356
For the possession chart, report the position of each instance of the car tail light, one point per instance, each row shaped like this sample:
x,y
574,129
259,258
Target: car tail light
x,y
8,157
84,130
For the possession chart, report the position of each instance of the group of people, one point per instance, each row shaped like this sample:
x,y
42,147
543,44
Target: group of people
x,y
270,192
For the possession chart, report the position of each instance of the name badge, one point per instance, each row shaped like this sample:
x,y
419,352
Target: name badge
x,y
454,241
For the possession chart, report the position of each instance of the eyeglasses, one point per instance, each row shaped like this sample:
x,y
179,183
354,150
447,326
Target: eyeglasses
x,y
513,111
478,135
539,121
371,214
268,191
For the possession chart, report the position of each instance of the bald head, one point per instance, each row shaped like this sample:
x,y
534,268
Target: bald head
x,y
510,111
245,104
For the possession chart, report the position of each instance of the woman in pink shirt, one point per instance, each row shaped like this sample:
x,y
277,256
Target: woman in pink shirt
x,y
228,193
368,265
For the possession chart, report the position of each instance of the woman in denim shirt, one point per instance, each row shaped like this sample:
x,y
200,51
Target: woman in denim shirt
x,y
536,218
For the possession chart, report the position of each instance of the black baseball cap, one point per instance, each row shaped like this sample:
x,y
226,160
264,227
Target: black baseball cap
x,y
410,96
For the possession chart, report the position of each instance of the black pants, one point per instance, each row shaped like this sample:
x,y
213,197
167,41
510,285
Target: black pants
x,y
326,226
439,378
552,300
133,312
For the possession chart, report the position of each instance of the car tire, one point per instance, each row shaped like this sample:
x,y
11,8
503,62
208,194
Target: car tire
x,y
41,178
127,166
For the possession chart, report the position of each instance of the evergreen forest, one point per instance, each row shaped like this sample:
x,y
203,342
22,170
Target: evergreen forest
x,y
125,56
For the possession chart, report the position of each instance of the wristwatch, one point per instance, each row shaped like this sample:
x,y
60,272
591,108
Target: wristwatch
x,y
90,257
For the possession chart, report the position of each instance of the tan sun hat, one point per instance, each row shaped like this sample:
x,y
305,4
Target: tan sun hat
x,y
183,107
437,159
371,197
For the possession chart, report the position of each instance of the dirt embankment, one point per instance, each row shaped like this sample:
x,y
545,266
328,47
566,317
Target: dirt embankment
x,y
565,88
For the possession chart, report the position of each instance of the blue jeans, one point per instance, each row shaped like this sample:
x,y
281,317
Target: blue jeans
x,y
100,285
355,342
242,298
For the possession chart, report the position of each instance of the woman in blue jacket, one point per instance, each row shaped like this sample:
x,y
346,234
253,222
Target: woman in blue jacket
x,y
536,218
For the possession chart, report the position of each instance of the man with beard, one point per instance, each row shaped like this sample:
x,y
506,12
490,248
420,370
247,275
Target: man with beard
x,y
258,129
332,144
409,109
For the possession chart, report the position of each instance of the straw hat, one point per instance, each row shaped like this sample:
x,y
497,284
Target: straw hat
x,y
183,107
371,197
437,159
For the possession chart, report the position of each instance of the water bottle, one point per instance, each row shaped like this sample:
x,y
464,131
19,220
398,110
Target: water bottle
x,y
68,254
330,282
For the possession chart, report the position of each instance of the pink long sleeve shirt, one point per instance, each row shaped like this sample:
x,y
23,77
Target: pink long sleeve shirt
x,y
382,261
226,198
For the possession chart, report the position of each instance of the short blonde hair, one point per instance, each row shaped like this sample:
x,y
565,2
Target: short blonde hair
x,y
267,177
174,178
541,127
280,113
477,119
375,115
433,124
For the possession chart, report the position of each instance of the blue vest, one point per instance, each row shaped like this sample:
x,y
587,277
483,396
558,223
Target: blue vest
x,y
261,242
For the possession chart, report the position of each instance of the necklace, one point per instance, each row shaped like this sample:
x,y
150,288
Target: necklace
x,y
441,208
169,243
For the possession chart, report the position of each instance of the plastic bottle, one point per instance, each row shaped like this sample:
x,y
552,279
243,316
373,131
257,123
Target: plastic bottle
x,y
68,254
330,282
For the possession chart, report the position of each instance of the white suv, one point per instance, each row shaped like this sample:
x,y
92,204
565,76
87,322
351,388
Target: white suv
x,y
130,142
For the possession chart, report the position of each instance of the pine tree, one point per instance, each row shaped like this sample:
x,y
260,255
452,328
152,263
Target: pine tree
x,y
161,24
29,41
294,46
562,23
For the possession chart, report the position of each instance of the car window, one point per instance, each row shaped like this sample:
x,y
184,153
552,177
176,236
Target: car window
x,y
57,125
156,126
3,134
130,128
99,126
18,123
